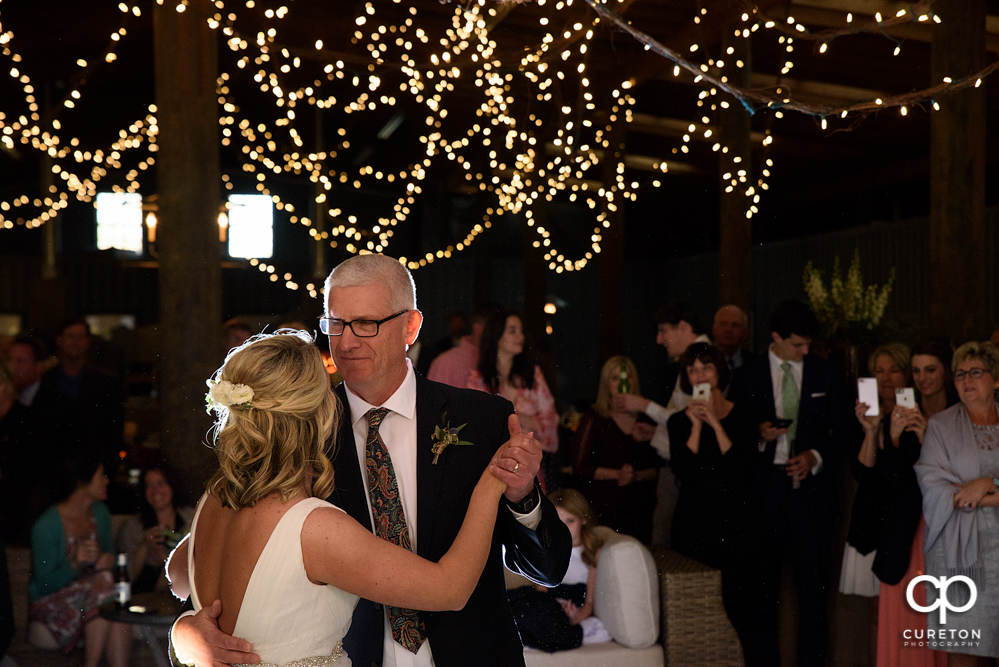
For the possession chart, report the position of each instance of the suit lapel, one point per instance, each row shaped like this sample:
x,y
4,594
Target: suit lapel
x,y
349,493
430,407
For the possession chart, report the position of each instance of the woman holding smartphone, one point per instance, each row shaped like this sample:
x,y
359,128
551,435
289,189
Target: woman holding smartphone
x,y
900,554
712,444
889,447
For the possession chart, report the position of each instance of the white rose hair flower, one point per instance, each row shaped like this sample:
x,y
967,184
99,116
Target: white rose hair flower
x,y
225,394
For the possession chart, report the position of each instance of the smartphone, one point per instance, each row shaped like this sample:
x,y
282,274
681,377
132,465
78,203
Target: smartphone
x,y
867,392
905,397
782,423
702,392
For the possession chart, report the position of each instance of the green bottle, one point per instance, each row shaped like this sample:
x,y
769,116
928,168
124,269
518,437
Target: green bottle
x,y
623,383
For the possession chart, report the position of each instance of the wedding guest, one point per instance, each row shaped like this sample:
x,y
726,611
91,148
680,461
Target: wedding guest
x,y
26,356
931,375
150,537
456,326
872,466
795,488
18,455
72,556
561,618
730,332
902,546
678,326
618,472
505,368
958,473
90,399
234,333
713,444
453,366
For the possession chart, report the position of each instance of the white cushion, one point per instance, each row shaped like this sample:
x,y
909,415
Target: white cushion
x,y
627,591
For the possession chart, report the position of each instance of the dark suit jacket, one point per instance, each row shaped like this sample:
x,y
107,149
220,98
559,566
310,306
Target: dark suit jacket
x,y
92,420
823,424
484,632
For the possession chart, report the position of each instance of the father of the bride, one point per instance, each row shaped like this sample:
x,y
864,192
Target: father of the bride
x,y
393,419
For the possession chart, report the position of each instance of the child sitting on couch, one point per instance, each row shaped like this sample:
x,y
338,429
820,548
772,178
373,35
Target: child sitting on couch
x,y
561,618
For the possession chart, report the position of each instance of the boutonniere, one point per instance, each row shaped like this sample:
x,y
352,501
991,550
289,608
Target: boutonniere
x,y
445,436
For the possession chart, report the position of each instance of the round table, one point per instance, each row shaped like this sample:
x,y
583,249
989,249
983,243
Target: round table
x,y
148,611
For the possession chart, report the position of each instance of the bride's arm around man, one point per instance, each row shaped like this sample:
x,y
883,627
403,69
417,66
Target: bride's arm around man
x,y
402,474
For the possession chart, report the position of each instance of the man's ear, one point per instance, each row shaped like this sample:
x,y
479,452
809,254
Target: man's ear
x,y
413,323
776,336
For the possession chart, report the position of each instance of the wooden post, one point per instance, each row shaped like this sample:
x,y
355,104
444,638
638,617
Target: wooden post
x,y
735,259
190,279
535,276
957,174
611,264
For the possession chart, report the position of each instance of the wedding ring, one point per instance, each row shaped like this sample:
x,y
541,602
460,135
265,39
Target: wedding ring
x,y
516,467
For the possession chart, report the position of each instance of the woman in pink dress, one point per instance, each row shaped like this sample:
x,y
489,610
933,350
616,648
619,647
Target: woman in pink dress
x,y
932,378
506,369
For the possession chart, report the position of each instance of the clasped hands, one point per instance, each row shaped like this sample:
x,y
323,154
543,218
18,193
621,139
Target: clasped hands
x,y
517,462
970,494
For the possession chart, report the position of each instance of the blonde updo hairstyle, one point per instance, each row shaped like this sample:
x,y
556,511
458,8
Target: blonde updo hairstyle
x,y
280,443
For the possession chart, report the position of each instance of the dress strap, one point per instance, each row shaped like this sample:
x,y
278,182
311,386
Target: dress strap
x,y
190,554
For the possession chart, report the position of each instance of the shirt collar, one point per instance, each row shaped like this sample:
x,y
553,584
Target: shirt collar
x,y
402,402
776,361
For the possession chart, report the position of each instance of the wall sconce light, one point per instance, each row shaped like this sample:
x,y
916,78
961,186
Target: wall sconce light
x,y
223,226
151,227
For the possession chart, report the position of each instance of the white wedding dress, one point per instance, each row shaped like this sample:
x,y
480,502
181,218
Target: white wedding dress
x,y
290,621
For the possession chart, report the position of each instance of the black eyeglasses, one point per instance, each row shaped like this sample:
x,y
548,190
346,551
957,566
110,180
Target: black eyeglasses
x,y
973,373
332,326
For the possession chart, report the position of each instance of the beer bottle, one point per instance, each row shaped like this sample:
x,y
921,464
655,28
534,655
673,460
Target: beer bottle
x,y
623,383
122,583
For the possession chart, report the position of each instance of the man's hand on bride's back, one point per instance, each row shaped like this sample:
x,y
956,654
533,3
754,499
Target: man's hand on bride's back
x,y
517,462
197,640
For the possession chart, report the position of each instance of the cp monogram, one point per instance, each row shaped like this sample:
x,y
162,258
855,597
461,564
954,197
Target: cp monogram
x,y
942,583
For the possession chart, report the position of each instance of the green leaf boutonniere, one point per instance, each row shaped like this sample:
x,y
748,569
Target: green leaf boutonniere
x,y
445,436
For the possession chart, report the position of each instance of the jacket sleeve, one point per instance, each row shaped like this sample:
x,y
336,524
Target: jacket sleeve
x,y
541,555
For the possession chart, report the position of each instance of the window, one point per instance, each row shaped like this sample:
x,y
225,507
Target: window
x,y
119,221
251,226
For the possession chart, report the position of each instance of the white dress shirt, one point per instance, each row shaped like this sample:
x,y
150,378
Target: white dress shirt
x,y
27,396
398,431
782,452
678,401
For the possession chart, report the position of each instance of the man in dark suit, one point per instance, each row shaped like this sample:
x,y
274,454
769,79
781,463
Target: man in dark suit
x,y
371,319
89,408
795,485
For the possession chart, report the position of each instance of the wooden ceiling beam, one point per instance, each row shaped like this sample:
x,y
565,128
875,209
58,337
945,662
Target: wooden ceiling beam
x,y
832,14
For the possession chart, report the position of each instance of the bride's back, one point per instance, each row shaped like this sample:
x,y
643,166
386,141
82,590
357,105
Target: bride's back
x,y
253,562
225,562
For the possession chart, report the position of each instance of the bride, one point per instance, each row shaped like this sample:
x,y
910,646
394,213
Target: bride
x,y
287,566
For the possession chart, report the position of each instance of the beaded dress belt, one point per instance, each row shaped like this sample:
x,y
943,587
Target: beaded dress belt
x,y
318,661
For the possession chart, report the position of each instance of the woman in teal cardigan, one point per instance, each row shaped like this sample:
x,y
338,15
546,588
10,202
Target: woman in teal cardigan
x,y
72,556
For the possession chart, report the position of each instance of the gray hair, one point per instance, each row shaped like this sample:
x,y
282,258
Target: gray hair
x,y
745,317
372,270
985,352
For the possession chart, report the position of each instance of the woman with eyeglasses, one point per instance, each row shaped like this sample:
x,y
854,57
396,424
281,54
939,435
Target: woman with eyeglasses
x,y
958,474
